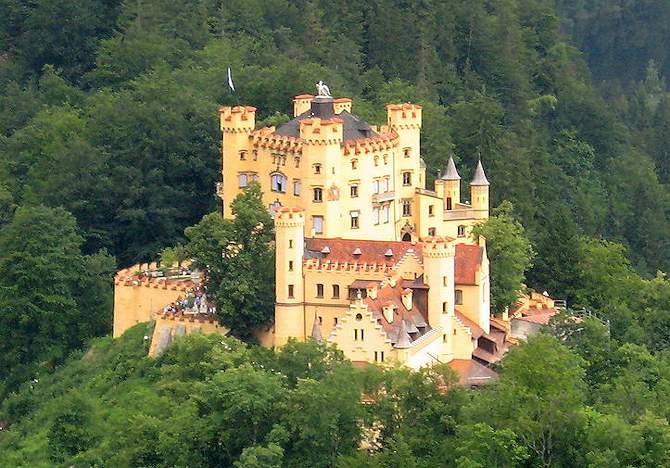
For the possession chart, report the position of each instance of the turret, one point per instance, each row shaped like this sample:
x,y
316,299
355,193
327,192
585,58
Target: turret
x,y
438,262
301,104
236,124
342,104
289,289
449,186
479,192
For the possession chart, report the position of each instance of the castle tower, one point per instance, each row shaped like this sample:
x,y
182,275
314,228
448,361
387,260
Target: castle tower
x,y
301,104
479,192
438,264
289,288
236,125
449,186
322,137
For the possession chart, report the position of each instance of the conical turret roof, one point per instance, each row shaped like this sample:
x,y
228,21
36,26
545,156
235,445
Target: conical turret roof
x,y
316,330
479,177
452,173
404,341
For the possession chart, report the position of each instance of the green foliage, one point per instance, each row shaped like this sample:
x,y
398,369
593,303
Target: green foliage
x,y
510,254
239,260
53,298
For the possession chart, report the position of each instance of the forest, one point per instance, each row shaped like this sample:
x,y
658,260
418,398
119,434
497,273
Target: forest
x,y
109,154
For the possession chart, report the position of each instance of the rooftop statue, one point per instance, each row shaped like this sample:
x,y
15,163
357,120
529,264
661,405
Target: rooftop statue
x,y
322,89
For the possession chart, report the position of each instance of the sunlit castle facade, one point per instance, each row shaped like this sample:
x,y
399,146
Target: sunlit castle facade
x,y
368,259
354,180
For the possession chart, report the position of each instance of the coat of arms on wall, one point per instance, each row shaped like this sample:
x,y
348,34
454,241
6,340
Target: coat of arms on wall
x,y
333,193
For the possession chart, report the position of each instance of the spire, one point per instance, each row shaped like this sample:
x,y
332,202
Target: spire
x,y
316,330
404,341
452,173
479,177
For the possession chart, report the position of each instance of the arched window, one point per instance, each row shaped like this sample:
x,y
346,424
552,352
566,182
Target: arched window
x,y
461,231
318,194
278,182
407,178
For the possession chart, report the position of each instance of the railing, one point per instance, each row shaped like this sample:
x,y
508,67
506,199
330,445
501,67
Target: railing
x,y
585,313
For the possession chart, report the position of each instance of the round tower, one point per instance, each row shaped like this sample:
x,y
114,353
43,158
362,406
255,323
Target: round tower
x,y
438,268
479,192
289,289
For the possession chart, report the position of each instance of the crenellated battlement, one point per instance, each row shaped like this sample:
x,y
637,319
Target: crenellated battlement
x,y
438,246
237,119
373,144
404,116
289,217
321,131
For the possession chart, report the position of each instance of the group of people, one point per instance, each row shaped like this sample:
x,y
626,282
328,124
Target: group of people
x,y
195,303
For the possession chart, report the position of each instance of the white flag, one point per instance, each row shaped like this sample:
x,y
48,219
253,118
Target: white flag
x,y
230,80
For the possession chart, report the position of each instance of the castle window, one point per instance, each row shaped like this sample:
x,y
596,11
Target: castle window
x,y
385,213
297,161
379,356
407,207
290,265
336,291
375,215
317,168
376,160
290,291
444,338
244,180
318,195
353,190
318,224
254,153
445,281
444,307
320,320
354,219
319,290
431,210
278,183
335,321
290,243
407,152
407,178
296,188
354,163
386,159
431,232
362,334
458,297
243,155
386,185
375,186
449,207
355,334
461,231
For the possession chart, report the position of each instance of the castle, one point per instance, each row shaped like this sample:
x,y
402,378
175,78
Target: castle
x,y
367,258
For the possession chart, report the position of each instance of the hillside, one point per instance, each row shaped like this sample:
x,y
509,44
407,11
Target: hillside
x,y
212,401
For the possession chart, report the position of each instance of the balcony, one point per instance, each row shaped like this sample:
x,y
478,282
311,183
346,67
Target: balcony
x,y
383,197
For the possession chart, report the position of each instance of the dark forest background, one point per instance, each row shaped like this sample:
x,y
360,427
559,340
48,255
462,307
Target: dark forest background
x,y
109,149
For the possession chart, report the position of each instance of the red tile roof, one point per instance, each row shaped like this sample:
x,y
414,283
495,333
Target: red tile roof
x,y
392,296
471,372
341,250
475,329
467,261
